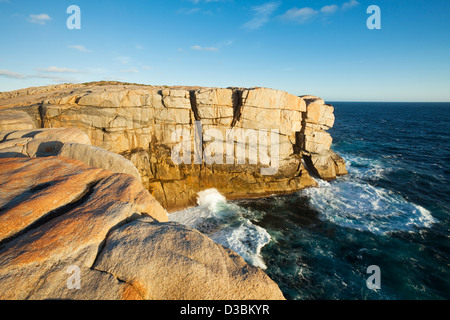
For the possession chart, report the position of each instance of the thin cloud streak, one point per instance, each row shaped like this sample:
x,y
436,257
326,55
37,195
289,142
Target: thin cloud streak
x,y
79,47
12,75
330,9
59,70
350,4
39,18
200,48
301,15
306,14
261,15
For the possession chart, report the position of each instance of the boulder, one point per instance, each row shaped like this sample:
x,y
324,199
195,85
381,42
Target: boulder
x,y
55,213
70,231
326,165
39,142
171,262
33,188
99,158
15,120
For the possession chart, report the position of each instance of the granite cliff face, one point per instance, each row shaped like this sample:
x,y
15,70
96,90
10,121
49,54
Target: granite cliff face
x,y
141,123
88,176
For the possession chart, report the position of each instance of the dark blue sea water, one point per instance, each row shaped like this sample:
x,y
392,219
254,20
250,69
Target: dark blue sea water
x,y
392,210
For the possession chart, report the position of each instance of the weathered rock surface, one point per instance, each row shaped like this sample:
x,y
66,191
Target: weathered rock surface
x,y
15,120
170,261
60,218
316,142
33,188
38,142
99,158
146,123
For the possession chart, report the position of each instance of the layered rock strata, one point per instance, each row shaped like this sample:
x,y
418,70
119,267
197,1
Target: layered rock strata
x,y
272,130
77,163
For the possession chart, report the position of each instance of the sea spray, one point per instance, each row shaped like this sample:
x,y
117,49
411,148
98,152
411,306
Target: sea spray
x,y
351,202
226,224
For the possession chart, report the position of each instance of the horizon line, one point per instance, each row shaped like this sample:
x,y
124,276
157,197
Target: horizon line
x,y
162,85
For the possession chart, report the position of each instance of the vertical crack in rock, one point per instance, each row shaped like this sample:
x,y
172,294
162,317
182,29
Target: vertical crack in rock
x,y
300,145
41,112
162,99
310,166
237,106
300,136
193,100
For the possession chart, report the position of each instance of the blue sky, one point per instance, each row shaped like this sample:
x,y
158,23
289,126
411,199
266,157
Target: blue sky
x,y
321,47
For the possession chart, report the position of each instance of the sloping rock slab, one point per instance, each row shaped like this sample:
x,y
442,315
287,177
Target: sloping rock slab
x,y
70,231
169,261
56,213
38,142
99,158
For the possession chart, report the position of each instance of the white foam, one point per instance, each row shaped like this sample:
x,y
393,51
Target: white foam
x,y
361,206
247,240
225,224
362,168
210,199
209,203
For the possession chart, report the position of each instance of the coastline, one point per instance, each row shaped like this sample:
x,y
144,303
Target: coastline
x,y
117,140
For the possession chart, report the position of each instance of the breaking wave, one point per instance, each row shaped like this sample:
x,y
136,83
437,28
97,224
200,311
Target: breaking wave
x,y
352,202
226,224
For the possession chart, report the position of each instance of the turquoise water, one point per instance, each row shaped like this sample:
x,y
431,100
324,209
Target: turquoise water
x,y
391,210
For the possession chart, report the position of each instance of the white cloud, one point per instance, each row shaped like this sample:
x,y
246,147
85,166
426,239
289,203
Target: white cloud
x,y
57,79
330,9
306,14
300,15
15,75
39,18
146,67
349,4
200,48
261,15
79,47
214,48
12,75
59,70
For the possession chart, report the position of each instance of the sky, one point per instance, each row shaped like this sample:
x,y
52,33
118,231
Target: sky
x,y
317,47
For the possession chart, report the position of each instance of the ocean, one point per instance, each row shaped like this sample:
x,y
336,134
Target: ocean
x,y
390,211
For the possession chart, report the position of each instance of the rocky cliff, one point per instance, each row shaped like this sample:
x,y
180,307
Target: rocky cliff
x,y
89,172
145,124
